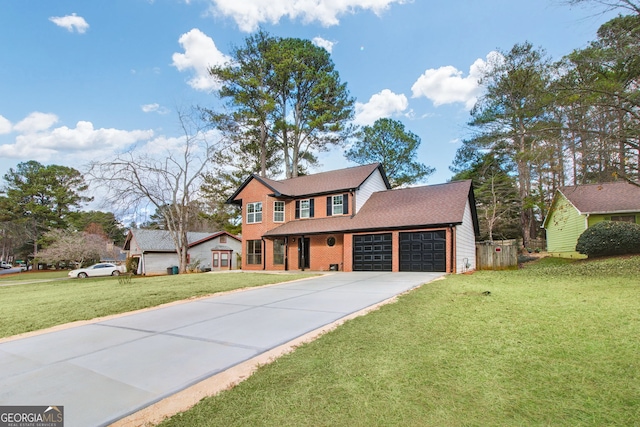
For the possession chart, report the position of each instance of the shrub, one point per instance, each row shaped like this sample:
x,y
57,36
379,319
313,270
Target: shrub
x,y
610,238
132,264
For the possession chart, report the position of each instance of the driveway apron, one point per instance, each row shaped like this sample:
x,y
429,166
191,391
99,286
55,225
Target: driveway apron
x,y
104,371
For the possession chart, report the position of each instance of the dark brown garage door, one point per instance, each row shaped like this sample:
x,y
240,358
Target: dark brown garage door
x,y
423,251
372,252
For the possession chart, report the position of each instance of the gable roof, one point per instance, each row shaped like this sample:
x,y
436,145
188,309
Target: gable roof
x,y
320,183
610,197
161,240
432,205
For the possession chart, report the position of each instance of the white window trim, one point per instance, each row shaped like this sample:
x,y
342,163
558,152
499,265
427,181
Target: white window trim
x,y
307,209
334,205
276,211
255,212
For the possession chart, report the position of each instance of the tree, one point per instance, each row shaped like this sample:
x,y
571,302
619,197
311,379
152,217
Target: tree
x,y
387,142
286,99
512,120
246,87
105,221
41,198
76,247
599,91
496,195
170,183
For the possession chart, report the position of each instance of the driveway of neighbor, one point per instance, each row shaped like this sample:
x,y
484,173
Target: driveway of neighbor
x,y
104,371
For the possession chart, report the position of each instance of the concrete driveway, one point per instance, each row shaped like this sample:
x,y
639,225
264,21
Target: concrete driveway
x,y
107,370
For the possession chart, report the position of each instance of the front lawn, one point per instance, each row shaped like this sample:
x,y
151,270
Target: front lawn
x,y
34,306
554,344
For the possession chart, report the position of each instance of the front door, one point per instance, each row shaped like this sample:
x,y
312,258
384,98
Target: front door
x,y
303,253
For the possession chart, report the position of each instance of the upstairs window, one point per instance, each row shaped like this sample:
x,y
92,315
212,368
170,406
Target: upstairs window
x,y
254,212
304,208
278,211
338,205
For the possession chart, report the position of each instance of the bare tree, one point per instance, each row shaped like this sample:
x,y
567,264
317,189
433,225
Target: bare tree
x,y
137,179
77,247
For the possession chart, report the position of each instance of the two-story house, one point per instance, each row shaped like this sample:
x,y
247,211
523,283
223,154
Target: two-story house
x,y
350,220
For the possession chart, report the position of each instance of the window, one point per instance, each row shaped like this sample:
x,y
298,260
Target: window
x,y
223,239
254,212
305,209
338,205
254,252
215,260
624,218
278,251
224,259
278,211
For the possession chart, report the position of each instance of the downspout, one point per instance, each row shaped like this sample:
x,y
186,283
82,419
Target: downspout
x,y
452,248
264,254
303,258
286,253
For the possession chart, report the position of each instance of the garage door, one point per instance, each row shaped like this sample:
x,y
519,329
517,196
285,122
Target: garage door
x,y
423,251
372,252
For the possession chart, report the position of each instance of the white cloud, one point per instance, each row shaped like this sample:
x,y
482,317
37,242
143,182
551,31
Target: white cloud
x,y
249,14
154,108
325,44
36,122
37,139
71,22
383,104
200,53
447,85
5,125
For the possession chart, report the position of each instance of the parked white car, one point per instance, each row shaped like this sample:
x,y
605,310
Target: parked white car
x,y
101,269
4,264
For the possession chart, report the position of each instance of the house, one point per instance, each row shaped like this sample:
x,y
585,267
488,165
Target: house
x,y
156,250
350,220
576,208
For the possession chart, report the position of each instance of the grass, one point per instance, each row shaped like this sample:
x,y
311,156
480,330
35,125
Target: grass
x,y
29,307
556,343
34,275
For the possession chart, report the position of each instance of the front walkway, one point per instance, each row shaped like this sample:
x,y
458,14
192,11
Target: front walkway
x,y
104,371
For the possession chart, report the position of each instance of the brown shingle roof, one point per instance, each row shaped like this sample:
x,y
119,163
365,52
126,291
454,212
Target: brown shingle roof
x,y
402,208
321,183
611,197
428,205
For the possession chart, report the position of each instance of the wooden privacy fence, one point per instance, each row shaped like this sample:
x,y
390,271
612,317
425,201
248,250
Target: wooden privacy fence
x,y
497,255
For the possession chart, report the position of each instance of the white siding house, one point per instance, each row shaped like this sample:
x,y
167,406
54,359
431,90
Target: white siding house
x,y
156,250
465,242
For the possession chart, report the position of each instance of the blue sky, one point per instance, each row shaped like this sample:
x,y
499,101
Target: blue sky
x,y
81,80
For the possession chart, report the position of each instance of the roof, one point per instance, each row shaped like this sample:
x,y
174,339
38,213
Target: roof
x,y
161,240
610,197
432,205
316,184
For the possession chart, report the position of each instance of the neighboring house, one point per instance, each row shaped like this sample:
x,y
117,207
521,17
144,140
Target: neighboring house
x,y
157,252
576,208
351,220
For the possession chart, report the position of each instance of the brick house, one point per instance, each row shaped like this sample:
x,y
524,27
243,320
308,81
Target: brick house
x,y
350,220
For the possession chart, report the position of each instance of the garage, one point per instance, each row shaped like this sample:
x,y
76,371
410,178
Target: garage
x,y
423,251
372,252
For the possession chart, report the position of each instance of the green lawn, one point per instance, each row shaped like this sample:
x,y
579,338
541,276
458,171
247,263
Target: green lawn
x,y
554,344
33,306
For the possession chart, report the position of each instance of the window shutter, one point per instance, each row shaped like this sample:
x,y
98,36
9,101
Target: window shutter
x,y
311,208
329,206
297,209
345,203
